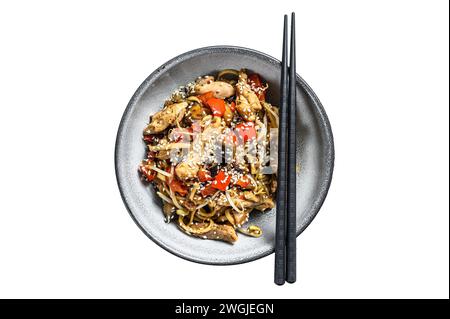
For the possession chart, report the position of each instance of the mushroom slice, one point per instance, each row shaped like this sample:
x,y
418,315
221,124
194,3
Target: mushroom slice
x,y
169,211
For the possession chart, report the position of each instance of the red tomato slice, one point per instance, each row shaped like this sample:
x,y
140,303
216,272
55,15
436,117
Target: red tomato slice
x,y
151,155
217,106
149,138
244,181
221,181
230,138
257,86
208,190
148,173
178,187
246,131
205,97
204,175
233,106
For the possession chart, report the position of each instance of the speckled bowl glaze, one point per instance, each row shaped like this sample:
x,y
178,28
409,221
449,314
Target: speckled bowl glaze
x,y
315,154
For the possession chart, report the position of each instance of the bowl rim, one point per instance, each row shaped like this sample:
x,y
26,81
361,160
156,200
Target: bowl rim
x,y
329,141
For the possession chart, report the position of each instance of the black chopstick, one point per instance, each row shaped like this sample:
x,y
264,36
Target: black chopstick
x,y
286,216
280,234
291,221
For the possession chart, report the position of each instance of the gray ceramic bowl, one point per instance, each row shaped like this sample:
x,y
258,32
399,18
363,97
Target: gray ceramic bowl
x,y
315,154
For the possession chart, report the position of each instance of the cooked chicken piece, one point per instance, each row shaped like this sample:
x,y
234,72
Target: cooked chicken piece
x,y
240,218
267,203
218,232
244,108
186,170
221,90
169,211
166,117
247,102
228,115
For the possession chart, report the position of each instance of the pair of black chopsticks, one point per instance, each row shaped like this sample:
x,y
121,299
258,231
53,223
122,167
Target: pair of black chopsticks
x,y
285,245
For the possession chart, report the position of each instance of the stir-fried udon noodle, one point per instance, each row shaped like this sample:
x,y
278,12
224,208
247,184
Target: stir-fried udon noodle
x,y
208,155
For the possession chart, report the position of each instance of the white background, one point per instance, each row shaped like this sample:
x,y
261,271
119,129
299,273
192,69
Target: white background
x,y
68,69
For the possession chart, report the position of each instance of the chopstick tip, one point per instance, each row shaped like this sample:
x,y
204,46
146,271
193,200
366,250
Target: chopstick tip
x,y
279,282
